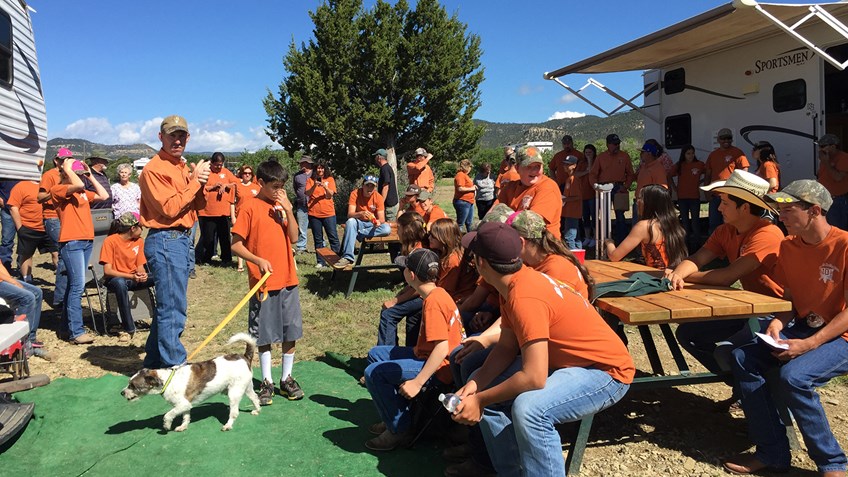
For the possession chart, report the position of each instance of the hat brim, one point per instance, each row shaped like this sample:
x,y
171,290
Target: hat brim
x,y
400,261
468,238
740,193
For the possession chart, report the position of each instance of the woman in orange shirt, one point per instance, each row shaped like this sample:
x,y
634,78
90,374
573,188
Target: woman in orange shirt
x,y
767,166
463,195
690,175
246,189
320,189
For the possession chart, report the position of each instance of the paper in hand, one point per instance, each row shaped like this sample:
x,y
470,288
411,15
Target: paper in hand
x,y
771,342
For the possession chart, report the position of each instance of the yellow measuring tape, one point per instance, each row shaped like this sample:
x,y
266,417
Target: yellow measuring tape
x,y
229,317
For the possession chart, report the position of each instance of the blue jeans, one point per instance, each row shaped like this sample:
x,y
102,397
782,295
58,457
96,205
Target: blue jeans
x,y
589,216
358,230
798,379
8,238
715,216
121,287
569,232
388,367
690,214
328,224
76,254
302,215
168,257
464,213
837,216
25,301
52,227
521,437
390,317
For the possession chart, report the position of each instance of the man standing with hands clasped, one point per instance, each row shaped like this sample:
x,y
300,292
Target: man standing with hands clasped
x,y
170,194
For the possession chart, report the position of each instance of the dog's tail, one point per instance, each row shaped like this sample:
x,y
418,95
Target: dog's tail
x,y
250,349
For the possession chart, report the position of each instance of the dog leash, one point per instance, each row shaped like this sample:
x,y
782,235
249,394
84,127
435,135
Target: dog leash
x,y
232,314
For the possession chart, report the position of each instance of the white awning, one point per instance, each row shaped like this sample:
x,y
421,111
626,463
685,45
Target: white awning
x,y
721,28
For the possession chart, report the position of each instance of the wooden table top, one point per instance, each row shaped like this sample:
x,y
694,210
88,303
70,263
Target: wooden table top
x,y
693,303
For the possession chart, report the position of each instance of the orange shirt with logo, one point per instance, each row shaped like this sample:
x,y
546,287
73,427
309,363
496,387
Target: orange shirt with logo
x,y
839,160
543,197
218,202
463,180
420,173
816,276
651,173
537,307
373,203
318,204
761,242
261,226
24,196
74,213
169,197
48,180
572,189
561,268
609,168
440,321
722,162
688,179
245,192
126,256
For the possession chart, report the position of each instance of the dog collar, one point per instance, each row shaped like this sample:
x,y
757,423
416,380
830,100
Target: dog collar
x,y
168,381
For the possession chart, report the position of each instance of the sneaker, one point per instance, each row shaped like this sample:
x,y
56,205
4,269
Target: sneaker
x,y
125,337
388,440
266,393
342,264
459,453
468,468
192,274
290,390
37,344
377,428
319,265
42,353
84,338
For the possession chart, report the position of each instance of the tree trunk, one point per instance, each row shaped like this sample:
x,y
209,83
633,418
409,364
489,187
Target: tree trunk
x,y
391,157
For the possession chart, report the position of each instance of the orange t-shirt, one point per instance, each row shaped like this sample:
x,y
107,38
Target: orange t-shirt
x,y
537,307
420,173
609,168
560,268
463,180
585,184
435,214
318,204
651,173
264,233
840,163
410,203
506,177
761,242
48,180
245,192
457,280
816,276
218,202
688,179
554,169
124,255
722,162
770,170
440,321
543,197
168,195
571,188
374,203
74,213
24,196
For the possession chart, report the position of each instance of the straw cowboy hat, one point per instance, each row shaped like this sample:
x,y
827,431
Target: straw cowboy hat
x,y
744,185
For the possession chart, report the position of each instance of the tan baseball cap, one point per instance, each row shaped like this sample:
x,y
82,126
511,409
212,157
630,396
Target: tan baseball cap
x,y
173,123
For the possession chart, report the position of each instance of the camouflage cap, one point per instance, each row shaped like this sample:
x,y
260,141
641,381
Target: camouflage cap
x,y
528,155
498,213
129,219
528,224
805,190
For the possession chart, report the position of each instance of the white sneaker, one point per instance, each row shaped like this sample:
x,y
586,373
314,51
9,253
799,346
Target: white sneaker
x,y
320,265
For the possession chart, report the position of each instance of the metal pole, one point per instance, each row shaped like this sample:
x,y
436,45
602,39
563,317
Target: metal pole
x,y
603,219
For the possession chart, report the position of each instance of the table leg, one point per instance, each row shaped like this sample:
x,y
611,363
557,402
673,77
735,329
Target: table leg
x,y
356,264
651,350
671,341
575,455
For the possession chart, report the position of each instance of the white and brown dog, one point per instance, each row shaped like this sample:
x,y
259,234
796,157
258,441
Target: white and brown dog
x,y
192,383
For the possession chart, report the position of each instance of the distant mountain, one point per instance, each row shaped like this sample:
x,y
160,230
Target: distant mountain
x,y
83,148
594,129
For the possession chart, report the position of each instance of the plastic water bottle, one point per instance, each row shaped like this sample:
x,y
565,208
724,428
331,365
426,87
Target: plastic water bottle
x,y
450,401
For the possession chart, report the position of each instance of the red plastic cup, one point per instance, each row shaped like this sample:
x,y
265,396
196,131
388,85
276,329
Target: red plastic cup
x,y
580,254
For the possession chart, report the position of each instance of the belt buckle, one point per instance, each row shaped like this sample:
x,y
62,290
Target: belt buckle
x,y
814,320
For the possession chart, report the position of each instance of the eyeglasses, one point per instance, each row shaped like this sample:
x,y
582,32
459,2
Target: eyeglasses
x,y
247,173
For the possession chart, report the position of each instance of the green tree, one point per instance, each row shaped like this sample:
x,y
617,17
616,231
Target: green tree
x,y
388,77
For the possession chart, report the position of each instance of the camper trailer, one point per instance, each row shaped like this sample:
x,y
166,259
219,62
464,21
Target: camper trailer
x,y
768,72
23,121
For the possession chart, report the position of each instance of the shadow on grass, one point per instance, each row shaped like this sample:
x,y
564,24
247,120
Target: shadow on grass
x,y
355,367
323,284
217,410
117,359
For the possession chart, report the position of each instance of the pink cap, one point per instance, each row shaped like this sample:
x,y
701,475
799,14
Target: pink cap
x,y
64,152
77,166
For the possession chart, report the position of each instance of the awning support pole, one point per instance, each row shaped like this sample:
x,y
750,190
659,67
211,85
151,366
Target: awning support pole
x,y
624,101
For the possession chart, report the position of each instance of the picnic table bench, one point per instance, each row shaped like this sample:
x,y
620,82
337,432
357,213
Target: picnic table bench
x,y
369,246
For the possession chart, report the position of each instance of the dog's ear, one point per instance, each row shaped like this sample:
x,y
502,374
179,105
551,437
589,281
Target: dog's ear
x,y
152,380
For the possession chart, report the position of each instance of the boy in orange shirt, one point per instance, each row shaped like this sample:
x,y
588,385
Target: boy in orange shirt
x,y
366,217
28,216
572,201
432,212
397,374
418,170
263,236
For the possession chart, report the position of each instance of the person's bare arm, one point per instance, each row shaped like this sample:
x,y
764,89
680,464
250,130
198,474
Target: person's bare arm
x,y
15,212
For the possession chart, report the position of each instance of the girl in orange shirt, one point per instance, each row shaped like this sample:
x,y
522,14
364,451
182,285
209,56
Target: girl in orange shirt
x,y
457,276
246,189
767,166
690,175
320,189
662,238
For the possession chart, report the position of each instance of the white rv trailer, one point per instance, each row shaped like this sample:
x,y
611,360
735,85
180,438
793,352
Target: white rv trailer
x,y
768,72
23,119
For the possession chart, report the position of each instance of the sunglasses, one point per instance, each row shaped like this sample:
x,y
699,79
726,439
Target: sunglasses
x,y
247,173
725,138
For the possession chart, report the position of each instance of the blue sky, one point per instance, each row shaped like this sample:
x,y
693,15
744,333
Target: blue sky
x,y
112,69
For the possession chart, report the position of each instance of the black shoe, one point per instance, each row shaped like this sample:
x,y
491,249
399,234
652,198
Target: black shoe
x,y
290,390
266,393
192,274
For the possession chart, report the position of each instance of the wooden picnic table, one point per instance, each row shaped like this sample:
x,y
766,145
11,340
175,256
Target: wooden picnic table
x,y
369,246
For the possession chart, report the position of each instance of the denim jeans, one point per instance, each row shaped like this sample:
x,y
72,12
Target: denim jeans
x,y
715,217
358,230
690,215
328,224
464,213
121,287
521,437
192,263
798,379
390,317
25,301
589,216
837,216
76,254
302,215
388,367
8,238
569,232
52,227
168,257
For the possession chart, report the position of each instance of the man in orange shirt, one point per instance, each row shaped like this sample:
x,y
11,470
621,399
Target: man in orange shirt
x,y
170,194
613,166
720,164
572,202
432,212
559,159
28,218
215,217
651,172
556,361
813,268
419,172
833,175
534,190
366,217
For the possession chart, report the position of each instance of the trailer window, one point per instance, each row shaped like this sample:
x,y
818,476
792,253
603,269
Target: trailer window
x,y
5,48
678,131
674,81
789,95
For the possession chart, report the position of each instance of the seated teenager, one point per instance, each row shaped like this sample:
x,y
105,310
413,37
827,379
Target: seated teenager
x,y
366,217
406,304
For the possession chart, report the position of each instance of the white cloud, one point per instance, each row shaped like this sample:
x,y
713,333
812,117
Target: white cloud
x,y
211,135
567,98
566,115
526,89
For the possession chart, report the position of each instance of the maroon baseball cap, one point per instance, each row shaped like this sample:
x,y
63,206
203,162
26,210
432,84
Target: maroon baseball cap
x,y
495,241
